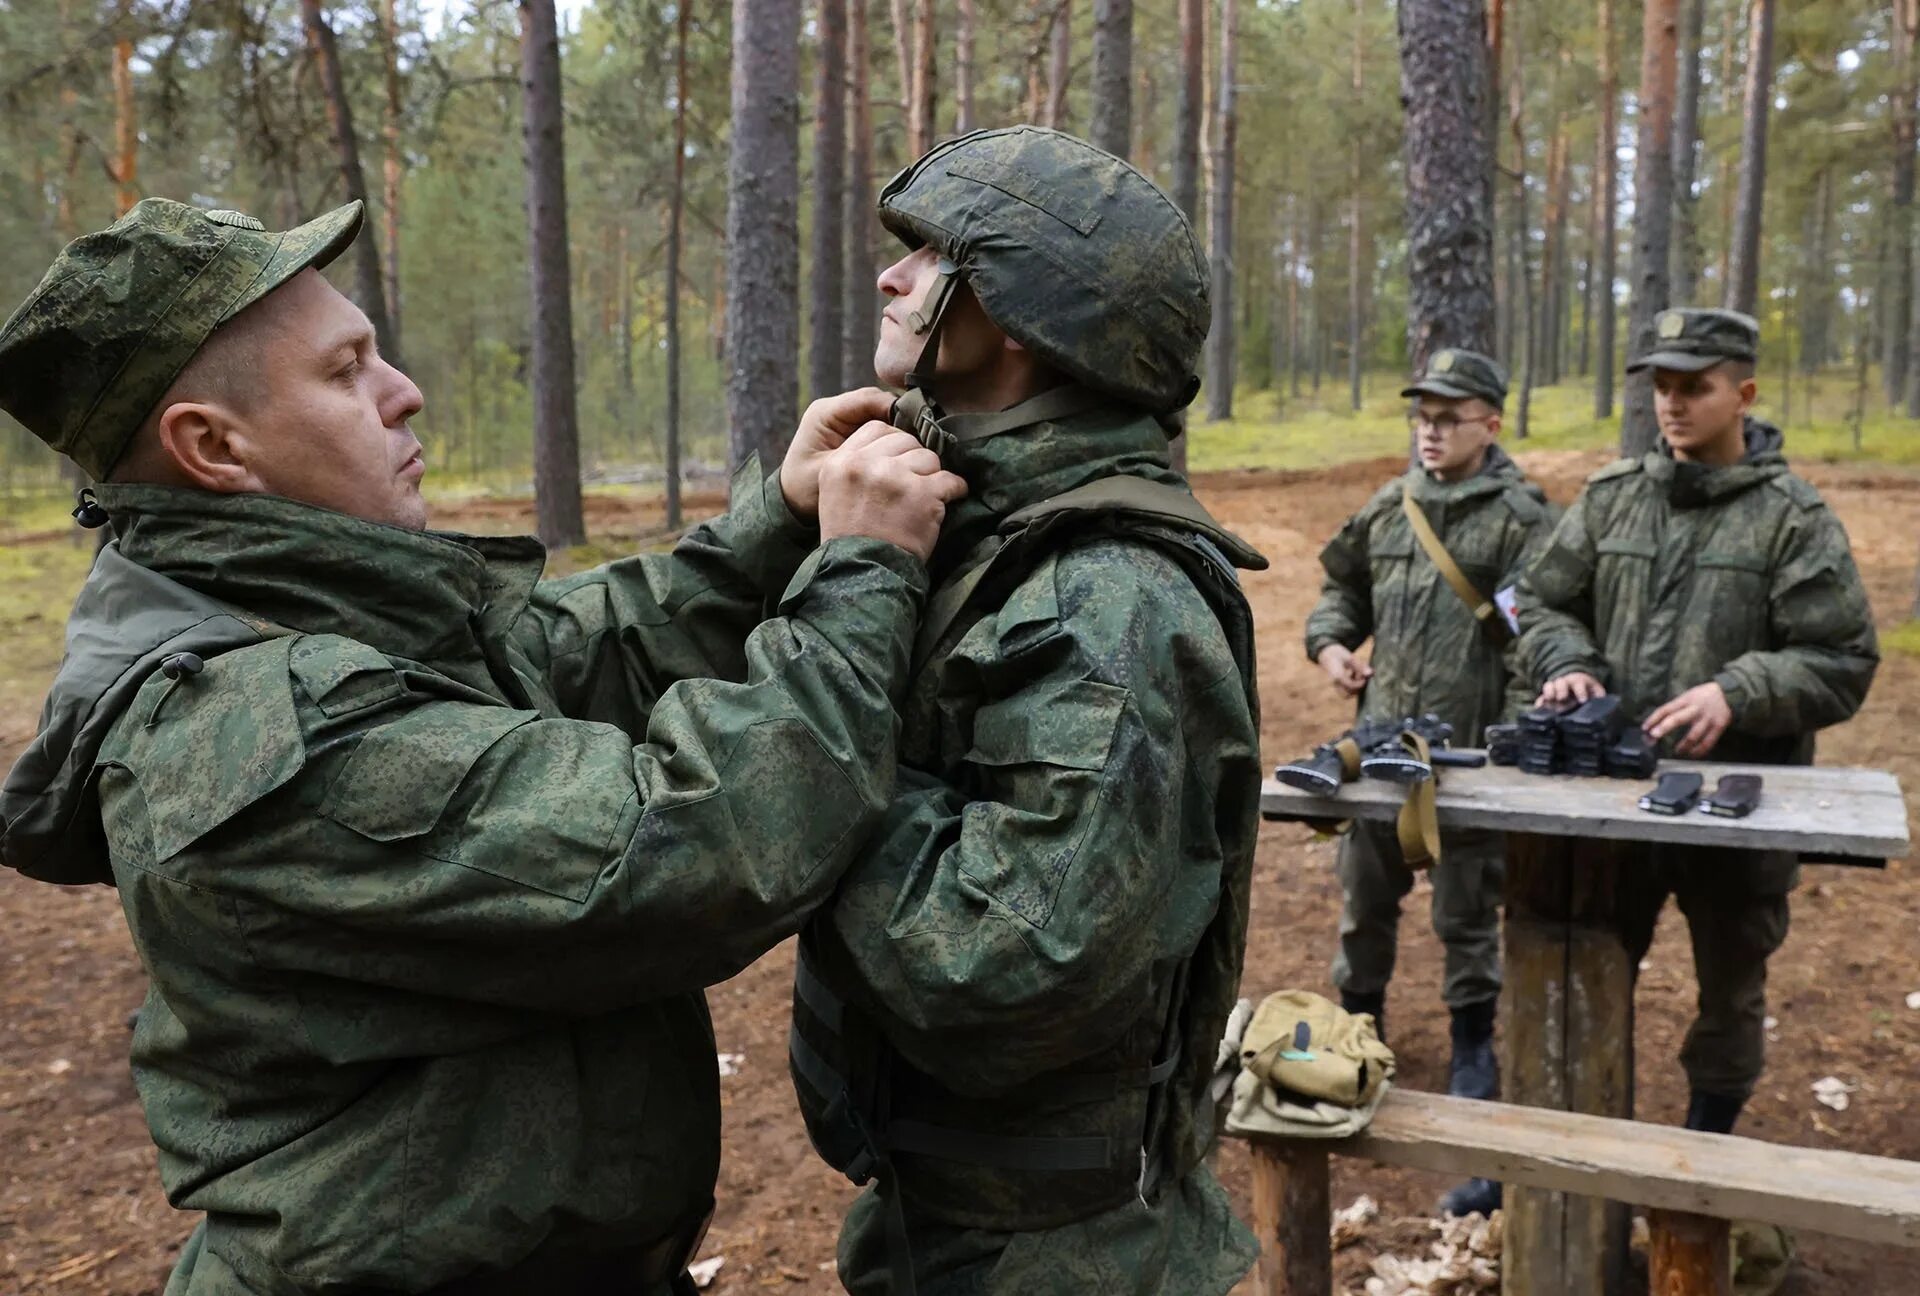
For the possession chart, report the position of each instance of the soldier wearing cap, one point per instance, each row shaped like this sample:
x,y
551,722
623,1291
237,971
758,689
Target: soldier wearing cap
x,y
1712,590
428,859
1433,651
1008,1018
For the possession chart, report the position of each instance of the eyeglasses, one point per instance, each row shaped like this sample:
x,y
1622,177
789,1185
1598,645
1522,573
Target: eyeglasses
x,y
1444,424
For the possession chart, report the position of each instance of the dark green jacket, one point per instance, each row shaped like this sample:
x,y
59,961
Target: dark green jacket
x,y
1429,653
1665,575
429,864
1062,899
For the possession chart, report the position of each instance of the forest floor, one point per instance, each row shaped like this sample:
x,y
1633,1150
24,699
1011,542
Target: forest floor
x,y
80,1205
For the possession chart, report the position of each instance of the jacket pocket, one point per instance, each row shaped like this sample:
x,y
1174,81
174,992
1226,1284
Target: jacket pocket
x,y
401,776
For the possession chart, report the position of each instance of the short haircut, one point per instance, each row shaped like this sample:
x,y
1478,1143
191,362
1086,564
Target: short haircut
x,y
1740,370
226,370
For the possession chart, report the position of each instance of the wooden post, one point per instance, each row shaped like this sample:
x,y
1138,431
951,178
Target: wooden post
x,y
1568,1046
1690,1255
1293,1217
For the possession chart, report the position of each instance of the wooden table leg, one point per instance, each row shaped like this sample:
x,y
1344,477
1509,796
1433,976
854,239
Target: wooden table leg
x,y
1293,1216
1690,1255
1568,1046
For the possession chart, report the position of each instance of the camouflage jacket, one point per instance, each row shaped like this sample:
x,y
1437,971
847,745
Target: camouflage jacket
x,y
1429,653
1063,895
426,929
1665,575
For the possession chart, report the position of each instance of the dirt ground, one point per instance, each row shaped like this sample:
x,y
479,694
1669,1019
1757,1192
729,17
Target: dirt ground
x,y
81,1209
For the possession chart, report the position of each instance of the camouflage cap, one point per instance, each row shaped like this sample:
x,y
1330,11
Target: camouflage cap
x,y
1071,252
93,349
1692,340
1457,374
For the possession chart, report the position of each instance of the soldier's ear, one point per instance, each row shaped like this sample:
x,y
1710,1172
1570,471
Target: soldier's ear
x,y
209,447
1749,392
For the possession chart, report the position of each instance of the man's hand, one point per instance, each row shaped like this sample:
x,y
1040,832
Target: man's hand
x,y
1348,673
1574,686
882,483
823,429
1702,709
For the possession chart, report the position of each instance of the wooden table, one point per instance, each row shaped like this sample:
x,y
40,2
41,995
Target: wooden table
x,y
1568,1016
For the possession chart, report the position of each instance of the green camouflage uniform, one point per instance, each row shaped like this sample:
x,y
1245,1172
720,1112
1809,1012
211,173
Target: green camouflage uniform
x,y
1038,953
428,861
1429,654
1664,575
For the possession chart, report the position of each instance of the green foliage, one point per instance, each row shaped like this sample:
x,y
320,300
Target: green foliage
x,y
1903,638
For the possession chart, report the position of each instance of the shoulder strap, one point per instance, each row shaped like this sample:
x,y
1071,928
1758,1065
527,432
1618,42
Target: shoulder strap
x,y
1482,607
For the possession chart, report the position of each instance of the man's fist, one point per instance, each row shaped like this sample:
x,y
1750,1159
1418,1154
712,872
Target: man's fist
x,y
1574,686
1348,673
1702,709
823,429
884,484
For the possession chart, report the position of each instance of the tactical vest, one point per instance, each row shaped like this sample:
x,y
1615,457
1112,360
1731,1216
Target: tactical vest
x,y
1115,1126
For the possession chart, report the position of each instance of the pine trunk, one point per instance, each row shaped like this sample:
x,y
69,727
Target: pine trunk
x,y
925,97
1186,118
763,230
676,230
1743,273
1356,235
1652,211
126,131
1554,228
859,317
1222,348
903,58
1447,153
1897,298
1059,64
825,291
326,59
1606,170
1521,252
1112,127
1685,270
962,66
556,429
390,174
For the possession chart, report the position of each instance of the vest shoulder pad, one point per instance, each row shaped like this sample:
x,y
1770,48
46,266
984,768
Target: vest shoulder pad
x,y
1618,468
1797,489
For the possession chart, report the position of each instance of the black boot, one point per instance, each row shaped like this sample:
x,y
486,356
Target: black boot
x,y
1375,1005
1713,1113
1474,1073
1474,1197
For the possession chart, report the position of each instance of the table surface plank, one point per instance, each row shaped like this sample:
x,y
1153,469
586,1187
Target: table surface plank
x,y
1857,813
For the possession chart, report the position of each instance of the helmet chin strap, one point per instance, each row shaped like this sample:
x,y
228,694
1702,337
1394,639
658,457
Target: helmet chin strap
x,y
916,411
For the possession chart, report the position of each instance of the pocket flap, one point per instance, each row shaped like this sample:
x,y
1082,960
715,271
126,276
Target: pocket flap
x,y
401,776
1733,561
1631,548
1069,723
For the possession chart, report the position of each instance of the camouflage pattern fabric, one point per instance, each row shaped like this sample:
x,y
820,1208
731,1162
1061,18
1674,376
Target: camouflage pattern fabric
x,y
1018,210
1429,653
429,873
1068,869
1692,340
91,351
1665,575
1454,373
1465,910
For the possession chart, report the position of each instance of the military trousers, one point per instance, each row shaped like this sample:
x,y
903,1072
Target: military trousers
x,y
1466,910
1735,904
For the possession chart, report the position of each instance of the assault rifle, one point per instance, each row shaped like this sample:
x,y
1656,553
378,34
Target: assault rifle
x,y
1379,749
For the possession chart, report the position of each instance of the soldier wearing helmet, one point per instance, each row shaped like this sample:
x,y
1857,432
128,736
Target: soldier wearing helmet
x,y
1006,1021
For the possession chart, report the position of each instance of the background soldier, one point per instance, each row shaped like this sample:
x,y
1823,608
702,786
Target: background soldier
x,y
1432,653
1010,1012
1710,588
425,945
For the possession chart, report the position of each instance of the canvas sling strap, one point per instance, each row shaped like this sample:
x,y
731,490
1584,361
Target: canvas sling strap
x,y
1418,824
1479,604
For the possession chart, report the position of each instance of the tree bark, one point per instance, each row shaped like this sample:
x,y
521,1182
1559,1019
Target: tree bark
x,y
1606,164
676,227
391,171
1059,64
1652,211
326,59
1553,281
763,230
859,316
1897,300
1816,279
1520,254
1685,270
1186,117
825,290
1729,45
903,57
1743,273
556,429
1356,237
1447,155
920,120
1112,127
1222,345
962,66
126,132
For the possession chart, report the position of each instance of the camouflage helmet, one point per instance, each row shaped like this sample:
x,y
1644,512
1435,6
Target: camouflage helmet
x,y
1070,251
